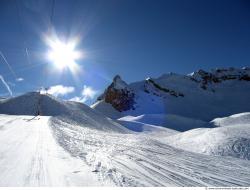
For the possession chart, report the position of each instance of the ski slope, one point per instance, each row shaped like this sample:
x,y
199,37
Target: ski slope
x,y
30,156
142,159
46,151
229,138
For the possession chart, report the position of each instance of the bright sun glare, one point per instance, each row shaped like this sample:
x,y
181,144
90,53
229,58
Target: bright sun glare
x,y
63,54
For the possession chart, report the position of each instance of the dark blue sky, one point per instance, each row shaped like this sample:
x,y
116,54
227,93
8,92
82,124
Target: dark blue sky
x,y
133,38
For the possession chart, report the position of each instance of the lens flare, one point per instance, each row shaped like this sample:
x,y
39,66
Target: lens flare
x,y
63,54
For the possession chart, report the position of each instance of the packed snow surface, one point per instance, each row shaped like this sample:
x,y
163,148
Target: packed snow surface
x,y
142,159
30,156
230,138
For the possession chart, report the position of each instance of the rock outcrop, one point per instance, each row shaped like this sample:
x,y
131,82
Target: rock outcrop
x,y
220,75
119,95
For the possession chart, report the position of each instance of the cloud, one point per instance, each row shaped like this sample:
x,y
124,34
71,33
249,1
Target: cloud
x,y
88,93
19,79
6,85
60,90
77,99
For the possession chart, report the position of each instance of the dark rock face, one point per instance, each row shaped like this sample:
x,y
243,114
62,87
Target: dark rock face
x,y
119,95
220,75
157,89
122,100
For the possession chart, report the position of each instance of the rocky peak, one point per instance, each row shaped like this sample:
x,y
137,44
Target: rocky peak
x,y
118,83
150,86
220,75
119,95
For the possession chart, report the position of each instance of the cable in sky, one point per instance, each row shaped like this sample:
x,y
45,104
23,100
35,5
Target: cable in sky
x,y
7,63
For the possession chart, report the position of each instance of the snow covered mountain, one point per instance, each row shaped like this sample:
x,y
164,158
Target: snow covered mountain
x,y
148,141
46,141
34,103
195,98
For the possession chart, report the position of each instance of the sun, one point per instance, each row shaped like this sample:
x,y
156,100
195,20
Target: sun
x,y
63,54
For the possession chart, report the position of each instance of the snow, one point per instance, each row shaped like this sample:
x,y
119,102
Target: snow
x,y
103,107
143,159
236,119
47,105
30,156
218,100
74,145
119,83
169,121
231,138
133,124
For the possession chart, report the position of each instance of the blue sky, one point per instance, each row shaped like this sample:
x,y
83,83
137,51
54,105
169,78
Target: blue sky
x,y
132,38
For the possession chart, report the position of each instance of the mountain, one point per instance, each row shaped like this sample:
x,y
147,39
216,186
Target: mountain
x,y
198,97
46,141
34,103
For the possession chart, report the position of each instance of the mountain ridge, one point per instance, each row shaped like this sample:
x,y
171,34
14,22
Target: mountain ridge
x,y
201,95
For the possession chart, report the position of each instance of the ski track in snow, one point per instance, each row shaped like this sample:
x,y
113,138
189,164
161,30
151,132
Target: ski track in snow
x,y
30,156
142,160
46,151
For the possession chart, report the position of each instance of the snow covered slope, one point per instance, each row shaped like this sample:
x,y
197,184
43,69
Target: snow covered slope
x,y
230,138
142,159
134,124
169,121
199,96
30,156
34,103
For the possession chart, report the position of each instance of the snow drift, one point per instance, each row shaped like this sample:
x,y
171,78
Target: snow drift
x,y
231,138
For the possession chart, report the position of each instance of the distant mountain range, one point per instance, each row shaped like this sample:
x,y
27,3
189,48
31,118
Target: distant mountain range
x,y
200,96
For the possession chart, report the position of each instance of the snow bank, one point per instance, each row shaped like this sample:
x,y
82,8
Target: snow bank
x,y
232,138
